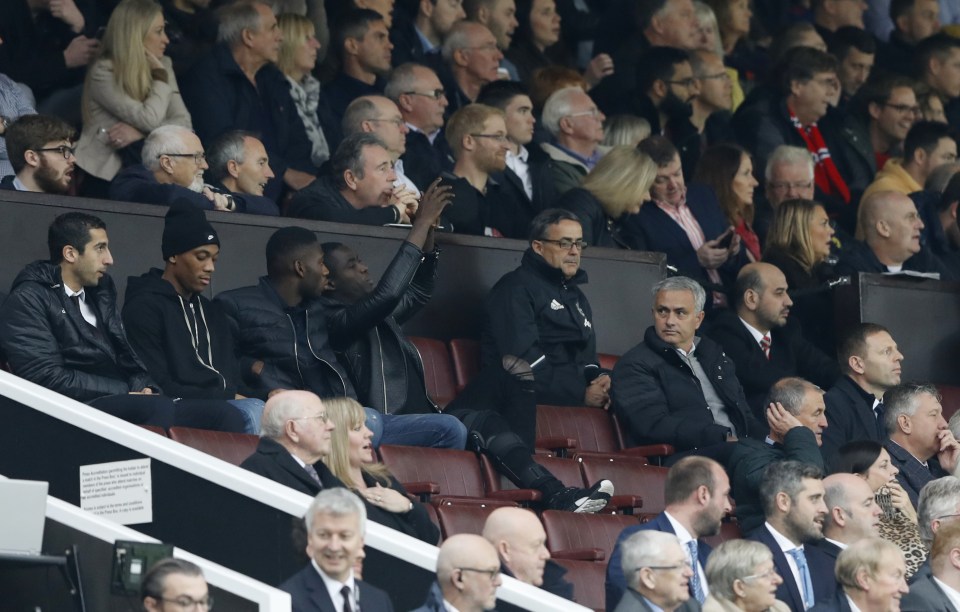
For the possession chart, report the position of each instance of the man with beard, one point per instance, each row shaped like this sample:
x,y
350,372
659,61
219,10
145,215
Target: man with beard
x,y
697,496
41,153
666,87
477,133
172,170
792,496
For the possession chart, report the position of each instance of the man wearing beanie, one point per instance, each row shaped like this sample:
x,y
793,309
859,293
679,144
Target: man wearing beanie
x,y
182,337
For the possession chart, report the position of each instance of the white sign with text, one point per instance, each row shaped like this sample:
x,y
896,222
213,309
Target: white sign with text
x,y
120,491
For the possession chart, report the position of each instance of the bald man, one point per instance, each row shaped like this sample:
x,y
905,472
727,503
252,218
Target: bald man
x,y
521,543
889,226
380,116
852,513
468,574
294,438
764,343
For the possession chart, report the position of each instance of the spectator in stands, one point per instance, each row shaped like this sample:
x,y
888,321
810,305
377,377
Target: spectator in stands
x,y
939,501
239,165
792,496
172,170
472,57
625,130
936,60
712,106
930,102
61,329
697,496
913,21
788,175
663,393
380,116
362,43
129,91
944,239
521,543
795,415
576,125
192,28
852,513
422,102
831,15
855,51
797,34
14,103
898,523
360,188
419,39
872,576
352,460
939,589
526,176
41,154
468,574
500,17
237,86
478,137
615,189
871,364
728,170
281,330
658,572
919,443
742,577
294,438
665,88
927,145
183,338
174,581
687,224
336,523
297,58
760,339
559,343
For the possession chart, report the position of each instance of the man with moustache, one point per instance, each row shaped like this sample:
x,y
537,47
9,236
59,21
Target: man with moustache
x,y
41,151
852,513
468,574
240,166
665,80
472,58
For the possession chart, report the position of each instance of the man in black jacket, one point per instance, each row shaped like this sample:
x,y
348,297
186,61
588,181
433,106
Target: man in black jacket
x,y
678,388
761,342
182,337
61,330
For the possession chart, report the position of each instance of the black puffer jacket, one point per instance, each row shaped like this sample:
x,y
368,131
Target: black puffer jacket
x,y
368,338
660,400
48,342
264,330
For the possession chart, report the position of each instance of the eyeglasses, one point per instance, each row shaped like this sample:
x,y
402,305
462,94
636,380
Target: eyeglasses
x,y
395,121
688,82
500,138
785,185
491,573
566,243
665,568
436,94
770,573
487,47
904,108
189,603
946,516
719,75
198,158
322,417
64,150
593,112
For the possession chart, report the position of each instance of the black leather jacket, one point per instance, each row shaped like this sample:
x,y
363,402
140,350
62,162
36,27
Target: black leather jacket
x,y
367,337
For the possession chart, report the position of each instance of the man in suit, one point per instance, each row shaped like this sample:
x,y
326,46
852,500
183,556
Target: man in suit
x,y
762,342
870,362
468,574
336,522
658,574
852,513
294,438
174,581
521,542
939,504
697,496
872,574
792,495
938,591
919,443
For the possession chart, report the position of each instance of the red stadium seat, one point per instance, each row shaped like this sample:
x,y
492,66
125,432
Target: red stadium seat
x,y
437,369
587,537
465,353
729,530
630,476
587,578
607,361
456,517
566,470
231,447
579,429
155,429
950,399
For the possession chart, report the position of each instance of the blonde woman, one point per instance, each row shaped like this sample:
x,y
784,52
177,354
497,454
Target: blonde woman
x,y
742,577
129,91
352,460
298,55
617,186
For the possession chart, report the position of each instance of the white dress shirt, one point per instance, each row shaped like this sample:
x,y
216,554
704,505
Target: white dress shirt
x,y
85,309
786,545
949,591
520,165
334,587
684,536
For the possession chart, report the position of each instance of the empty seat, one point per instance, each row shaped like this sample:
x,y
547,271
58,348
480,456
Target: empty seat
x,y
950,399
729,530
465,354
230,447
155,429
437,369
587,537
457,517
587,578
630,476
590,429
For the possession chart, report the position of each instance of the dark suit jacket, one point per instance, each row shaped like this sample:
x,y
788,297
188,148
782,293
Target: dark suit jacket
x,y
839,603
913,476
926,596
273,461
849,417
831,549
821,571
616,583
856,256
634,602
309,594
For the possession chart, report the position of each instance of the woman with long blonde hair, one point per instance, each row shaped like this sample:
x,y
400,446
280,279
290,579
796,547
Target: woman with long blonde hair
x,y
129,91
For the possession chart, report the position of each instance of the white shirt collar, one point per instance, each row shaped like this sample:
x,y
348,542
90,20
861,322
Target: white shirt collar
x,y
449,607
18,184
686,354
682,534
782,541
853,606
952,594
837,543
430,137
523,155
334,586
756,333
70,292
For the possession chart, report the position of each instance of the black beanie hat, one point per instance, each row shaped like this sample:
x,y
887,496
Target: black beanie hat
x,y
186,228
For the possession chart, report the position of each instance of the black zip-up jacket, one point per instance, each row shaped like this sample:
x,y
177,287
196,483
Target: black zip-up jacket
x,y
322,200
186,345
660,400
536,314
47,341
368,339
264,330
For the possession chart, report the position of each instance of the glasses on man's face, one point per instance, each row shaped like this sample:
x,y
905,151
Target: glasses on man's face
x,y
500,138
903,109
64,150
566,243
719,75
491,573
322,417
189,603
198,158
593,112
665,568
687,82
487,47
787,185
397,121
436,94
770,573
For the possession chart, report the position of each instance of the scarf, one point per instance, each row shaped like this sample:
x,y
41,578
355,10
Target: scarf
x,y
826,175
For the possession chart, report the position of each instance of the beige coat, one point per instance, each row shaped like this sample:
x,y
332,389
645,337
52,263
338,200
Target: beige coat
x,y
712,604
108,104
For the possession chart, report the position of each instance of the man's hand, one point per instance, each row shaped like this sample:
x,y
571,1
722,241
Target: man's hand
x,y
80,51
403,196
599,67
220,201
598,392
711,256
144,391
297,180
433,201
67,12
780,420
901,500
123,134
949,451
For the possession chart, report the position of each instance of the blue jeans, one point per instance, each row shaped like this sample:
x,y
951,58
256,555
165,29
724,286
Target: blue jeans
x,y
252,409
431,430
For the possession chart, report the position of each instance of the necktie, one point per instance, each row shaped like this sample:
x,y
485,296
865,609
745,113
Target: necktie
x,y
312,472
695,586
345,591
765,346
806,585
878,411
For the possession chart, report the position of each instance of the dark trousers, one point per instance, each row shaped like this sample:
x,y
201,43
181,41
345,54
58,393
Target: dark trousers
x,y
496,401
166,412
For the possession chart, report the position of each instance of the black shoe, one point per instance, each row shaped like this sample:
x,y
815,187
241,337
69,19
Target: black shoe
x,y
587,501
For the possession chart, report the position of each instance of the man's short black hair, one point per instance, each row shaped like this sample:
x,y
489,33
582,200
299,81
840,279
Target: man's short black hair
x,y
659,148
851,37
899,8
155,579
802,64
349,156
500,93
878,91
937,46
353,23
31,132
548,217
285,245
658,64
71,229
924,135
